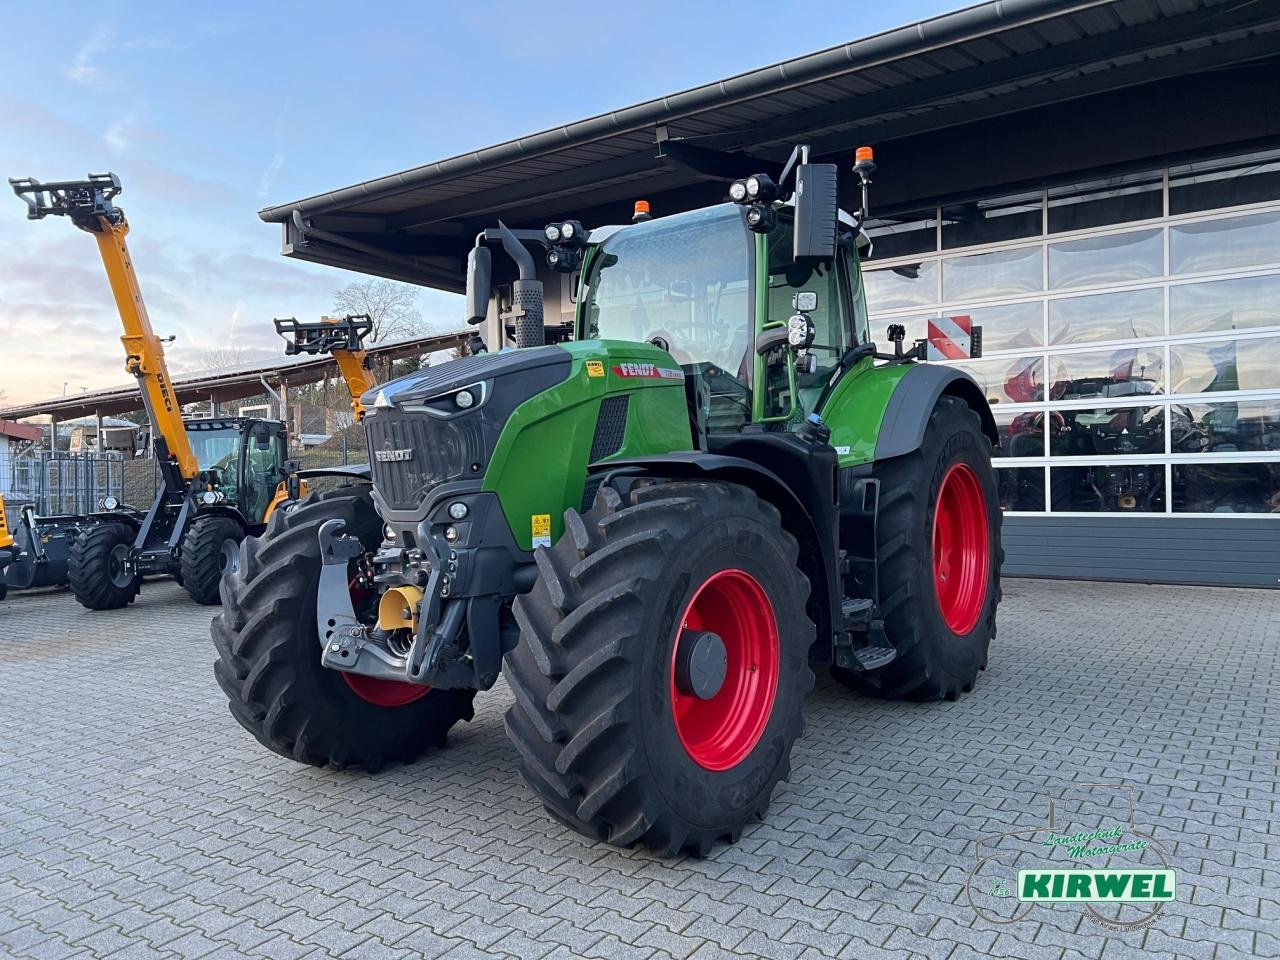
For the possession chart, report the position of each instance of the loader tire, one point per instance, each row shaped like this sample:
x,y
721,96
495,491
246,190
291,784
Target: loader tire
x,y
610,740
96,568
269,654
211,545
938,544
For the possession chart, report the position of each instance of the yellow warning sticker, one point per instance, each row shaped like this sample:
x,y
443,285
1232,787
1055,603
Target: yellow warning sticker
x,y
595,368
542,530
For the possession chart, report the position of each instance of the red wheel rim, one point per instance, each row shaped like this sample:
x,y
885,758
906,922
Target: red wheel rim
x,y
720,732
961,548
384,693
380,693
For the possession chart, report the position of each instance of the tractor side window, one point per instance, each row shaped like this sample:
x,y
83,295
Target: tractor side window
x,y
218,451
833,331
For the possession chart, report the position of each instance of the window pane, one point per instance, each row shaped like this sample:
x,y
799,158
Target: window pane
x,y
1021,434
1021,488
906,285
1253,178
1250,425
1016,380
1225,365
1225,304
990,221
1116,258
1230,244
1226,488
1127,372
1013,326
1107,316
1119,488
904,233
985,276
1104,432
1102,203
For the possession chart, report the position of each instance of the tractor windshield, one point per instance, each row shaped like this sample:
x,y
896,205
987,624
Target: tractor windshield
x,y
216,449
684,279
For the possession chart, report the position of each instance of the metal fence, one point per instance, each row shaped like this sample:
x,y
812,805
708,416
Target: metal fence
x,y
63,483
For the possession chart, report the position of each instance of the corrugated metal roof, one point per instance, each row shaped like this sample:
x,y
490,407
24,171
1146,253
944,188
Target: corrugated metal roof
x,y
994,55
230,383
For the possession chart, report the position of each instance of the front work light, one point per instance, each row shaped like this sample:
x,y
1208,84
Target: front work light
x,y
552,232
110,503
761,189
738,191
761,218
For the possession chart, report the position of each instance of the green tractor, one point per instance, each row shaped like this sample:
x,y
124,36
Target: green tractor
x,y
655,527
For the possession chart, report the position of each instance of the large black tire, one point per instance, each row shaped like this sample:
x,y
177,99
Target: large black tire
x,y
94,567
934,661
593,714
269,652
211,545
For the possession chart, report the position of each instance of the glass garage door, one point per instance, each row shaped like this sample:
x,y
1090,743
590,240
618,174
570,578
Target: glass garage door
x,y
1131,333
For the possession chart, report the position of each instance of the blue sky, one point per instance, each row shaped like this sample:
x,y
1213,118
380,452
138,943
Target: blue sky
x,y
209,112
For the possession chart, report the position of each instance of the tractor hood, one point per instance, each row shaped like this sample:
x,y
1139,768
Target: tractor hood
x,y
445,378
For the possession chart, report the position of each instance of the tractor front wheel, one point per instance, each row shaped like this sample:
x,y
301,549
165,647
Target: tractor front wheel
x,y
210,547
269,653
938,545
662,666
98,567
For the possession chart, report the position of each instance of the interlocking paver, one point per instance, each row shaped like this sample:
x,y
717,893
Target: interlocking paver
x,y
139,820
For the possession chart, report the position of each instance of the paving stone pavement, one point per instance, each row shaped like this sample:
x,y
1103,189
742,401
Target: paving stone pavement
x,y
138,820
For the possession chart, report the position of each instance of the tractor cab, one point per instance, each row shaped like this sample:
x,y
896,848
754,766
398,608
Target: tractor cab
x,y
708,289
241,463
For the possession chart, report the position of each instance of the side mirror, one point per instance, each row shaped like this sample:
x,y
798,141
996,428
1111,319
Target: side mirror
x,y
817,200
479,284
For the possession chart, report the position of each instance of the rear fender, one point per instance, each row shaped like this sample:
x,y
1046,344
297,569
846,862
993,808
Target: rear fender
x,y
907,414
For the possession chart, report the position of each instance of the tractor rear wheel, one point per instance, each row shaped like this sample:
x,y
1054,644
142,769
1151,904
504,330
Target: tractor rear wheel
x,y
210,546
98,569
938,543
269,653
662,666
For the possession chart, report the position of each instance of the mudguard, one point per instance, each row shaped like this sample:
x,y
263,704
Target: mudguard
x,y
907,414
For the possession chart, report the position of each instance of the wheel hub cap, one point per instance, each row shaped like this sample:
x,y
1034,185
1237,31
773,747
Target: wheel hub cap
x,y
118,565
701,664
724,670
961,548
229,556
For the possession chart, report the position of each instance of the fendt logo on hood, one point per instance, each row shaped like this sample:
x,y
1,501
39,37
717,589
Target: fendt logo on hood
x,y
647,371
393,456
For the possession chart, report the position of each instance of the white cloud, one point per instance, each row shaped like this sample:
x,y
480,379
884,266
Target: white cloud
x,y
116,137
83,69
269,174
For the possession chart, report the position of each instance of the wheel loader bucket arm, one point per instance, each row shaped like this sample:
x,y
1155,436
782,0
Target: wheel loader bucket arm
x,y
90,205
342,339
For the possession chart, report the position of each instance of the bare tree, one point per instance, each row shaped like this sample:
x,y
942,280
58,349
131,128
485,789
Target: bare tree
x,y
390,305
222,358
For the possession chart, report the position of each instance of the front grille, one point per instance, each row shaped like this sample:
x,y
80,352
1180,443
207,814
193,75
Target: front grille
x,y
437,451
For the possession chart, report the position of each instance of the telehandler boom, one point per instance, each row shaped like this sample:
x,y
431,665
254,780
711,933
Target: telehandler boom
x,y
220,477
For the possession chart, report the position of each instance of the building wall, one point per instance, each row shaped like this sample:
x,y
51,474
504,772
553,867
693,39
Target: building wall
x,y
1131,328
1225,551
